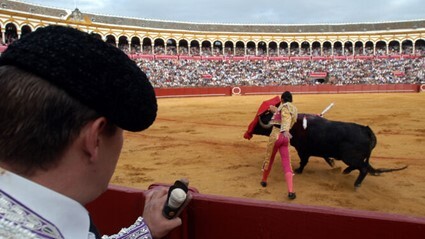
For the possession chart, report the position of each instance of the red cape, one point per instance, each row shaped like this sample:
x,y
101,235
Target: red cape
x,y
263,108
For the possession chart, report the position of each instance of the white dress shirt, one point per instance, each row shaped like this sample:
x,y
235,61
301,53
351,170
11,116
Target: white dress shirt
x,y
39,210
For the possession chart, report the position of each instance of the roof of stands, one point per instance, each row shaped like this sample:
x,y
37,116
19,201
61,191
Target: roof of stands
x,y
216,27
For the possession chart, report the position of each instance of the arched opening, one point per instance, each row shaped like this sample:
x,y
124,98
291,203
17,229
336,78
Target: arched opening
x,y
273,50
316,50
407,47
358,48
111,40
194,48
368,48
135,45
305,49
123,44
294,49
183,47
337,51
240,48
159,47
348,48
420,47
25,30
206,48
262,49
381,48
283,49
228,48
394,48
171,47
327,48
250,48
147,46
217,48
11,34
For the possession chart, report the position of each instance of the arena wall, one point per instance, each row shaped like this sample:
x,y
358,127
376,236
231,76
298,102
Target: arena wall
x,y
209,216
296,89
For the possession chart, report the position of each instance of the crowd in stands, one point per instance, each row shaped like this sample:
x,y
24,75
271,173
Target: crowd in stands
x,y
293,51
219,73
211,73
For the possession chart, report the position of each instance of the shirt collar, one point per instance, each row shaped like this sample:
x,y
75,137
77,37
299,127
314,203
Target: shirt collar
x,y
69,216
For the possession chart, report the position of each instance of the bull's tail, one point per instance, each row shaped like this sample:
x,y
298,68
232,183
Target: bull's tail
x,y
378,171
372,137
372,144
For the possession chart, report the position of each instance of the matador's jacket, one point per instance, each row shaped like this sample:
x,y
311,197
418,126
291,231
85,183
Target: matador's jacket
x,y
283,119
285,116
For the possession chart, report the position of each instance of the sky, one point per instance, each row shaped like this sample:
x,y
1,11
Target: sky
x,y
251,12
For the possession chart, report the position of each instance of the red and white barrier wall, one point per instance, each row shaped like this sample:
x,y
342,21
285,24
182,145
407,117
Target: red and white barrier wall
x,y
296,89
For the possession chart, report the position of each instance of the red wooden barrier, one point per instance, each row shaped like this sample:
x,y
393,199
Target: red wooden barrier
x,y
209,216
192,92
329,89
117,208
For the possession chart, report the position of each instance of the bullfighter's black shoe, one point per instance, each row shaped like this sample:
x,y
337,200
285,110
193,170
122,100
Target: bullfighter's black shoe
x,y
292,195
264,184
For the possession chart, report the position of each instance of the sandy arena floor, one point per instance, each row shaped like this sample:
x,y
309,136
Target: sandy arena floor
x,y
202,139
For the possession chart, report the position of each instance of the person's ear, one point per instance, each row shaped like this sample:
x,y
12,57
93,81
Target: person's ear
x,y
92,137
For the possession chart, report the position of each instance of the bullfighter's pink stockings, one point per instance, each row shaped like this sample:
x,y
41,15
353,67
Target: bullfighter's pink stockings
x,y
282,143
289,184
267,166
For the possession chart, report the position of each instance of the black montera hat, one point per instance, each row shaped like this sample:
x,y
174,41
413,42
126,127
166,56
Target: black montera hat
x,y
286,96
96,73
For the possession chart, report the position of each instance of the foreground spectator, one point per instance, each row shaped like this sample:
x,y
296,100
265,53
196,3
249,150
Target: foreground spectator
x,y
66,99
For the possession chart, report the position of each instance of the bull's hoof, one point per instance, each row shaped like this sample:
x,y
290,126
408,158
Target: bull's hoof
x,y
292,195
298,171
347,170
263,184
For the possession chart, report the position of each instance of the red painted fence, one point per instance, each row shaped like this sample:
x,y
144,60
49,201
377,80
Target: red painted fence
x,y
298,89
210,217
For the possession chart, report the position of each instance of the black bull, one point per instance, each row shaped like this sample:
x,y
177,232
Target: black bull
x,y
350,142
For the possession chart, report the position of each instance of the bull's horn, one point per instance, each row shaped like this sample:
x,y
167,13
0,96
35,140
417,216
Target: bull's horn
x,y
262,124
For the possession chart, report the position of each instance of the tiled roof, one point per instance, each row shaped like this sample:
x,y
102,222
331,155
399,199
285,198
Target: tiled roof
x,y
217,27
